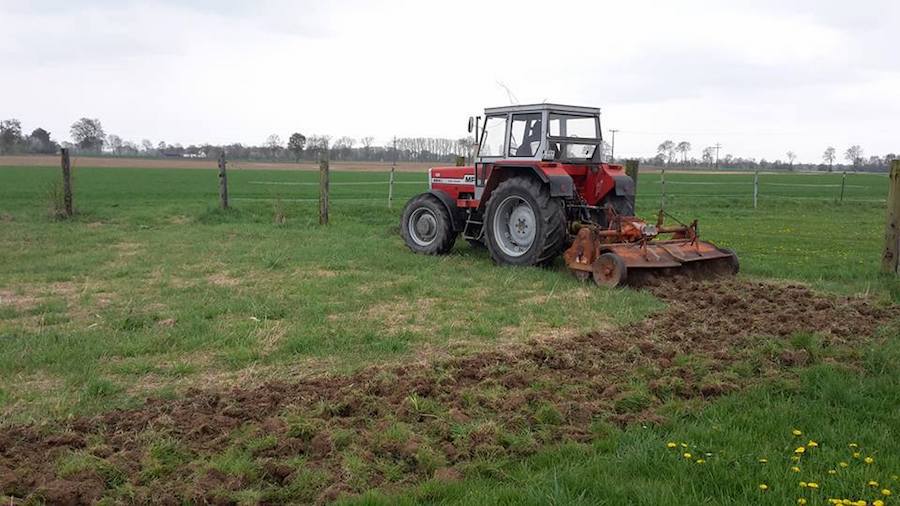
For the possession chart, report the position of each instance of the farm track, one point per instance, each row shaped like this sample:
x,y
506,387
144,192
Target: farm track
x,y
451,411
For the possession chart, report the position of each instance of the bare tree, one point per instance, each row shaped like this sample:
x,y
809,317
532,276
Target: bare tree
x,y
854,155
274,145
115,144
791,156
828,157
367,146
683,147
709,155
667,150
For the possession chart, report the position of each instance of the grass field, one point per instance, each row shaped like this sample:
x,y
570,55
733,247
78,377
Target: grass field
x,y
152,291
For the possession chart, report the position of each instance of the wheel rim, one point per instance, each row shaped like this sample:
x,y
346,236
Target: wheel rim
x,y
606,272
422,226
514,226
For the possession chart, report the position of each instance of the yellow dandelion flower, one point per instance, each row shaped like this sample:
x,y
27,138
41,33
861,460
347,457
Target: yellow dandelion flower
x,y
812,484
873,483
763,461
812,444
684,445
868,460
671,445
687,455
854,445
763,486
795,469
843,464
832,471
801,501
861,503
701,461
800,449
803,484
796,432
885,492
877,502
856,455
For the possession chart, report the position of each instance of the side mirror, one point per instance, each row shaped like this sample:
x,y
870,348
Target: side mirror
x,y
471,124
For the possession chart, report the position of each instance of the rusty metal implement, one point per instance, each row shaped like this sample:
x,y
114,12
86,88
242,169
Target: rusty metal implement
x,y
629,246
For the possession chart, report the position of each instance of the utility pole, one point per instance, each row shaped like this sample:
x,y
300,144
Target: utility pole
x,y
717,155
612,155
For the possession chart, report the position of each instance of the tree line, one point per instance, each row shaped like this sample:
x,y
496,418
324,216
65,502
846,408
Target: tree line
x,y
670,153
89,137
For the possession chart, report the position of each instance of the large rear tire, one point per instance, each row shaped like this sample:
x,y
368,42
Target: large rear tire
x,y
426,226
524,224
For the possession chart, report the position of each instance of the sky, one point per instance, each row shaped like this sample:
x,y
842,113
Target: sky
x,y
759,77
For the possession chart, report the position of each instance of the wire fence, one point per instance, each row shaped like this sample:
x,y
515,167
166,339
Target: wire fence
x,y
750,189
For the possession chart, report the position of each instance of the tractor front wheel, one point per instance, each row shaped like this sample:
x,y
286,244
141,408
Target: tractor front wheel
x,y
426,226
523,224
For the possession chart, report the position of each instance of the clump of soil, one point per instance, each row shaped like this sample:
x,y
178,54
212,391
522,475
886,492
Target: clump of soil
x,y
320,438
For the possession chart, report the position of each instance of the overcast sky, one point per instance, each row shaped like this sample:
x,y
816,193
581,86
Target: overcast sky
x,y
761,77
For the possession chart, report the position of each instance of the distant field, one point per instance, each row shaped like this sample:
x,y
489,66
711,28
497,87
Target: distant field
x,y
292,362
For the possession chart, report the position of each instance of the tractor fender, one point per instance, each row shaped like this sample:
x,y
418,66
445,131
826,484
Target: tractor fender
x,y
624,186
553,175
456,216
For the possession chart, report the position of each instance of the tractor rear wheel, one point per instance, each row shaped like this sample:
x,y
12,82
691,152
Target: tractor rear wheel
x,y
524,225
426,226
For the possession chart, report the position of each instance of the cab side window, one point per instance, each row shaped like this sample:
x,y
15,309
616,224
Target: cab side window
x,y
525,134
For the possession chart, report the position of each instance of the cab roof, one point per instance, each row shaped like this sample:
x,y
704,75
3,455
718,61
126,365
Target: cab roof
x,y
572,109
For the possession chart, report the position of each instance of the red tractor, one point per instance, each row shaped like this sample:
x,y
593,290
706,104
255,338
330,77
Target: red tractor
x,y
538,188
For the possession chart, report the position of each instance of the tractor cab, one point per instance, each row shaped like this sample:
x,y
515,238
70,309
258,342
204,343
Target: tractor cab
x,y
542,132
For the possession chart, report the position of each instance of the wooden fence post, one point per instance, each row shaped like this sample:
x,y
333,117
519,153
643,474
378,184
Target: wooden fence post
x,y
631,168
662,180
67,182
323,188
223,181
843,184
890,260
755,188
391,180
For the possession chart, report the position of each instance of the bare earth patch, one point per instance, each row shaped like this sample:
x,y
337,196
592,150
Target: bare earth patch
x,y
18,301
410,422
223,279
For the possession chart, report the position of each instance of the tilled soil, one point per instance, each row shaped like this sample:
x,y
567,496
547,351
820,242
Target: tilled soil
x,y
394,425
